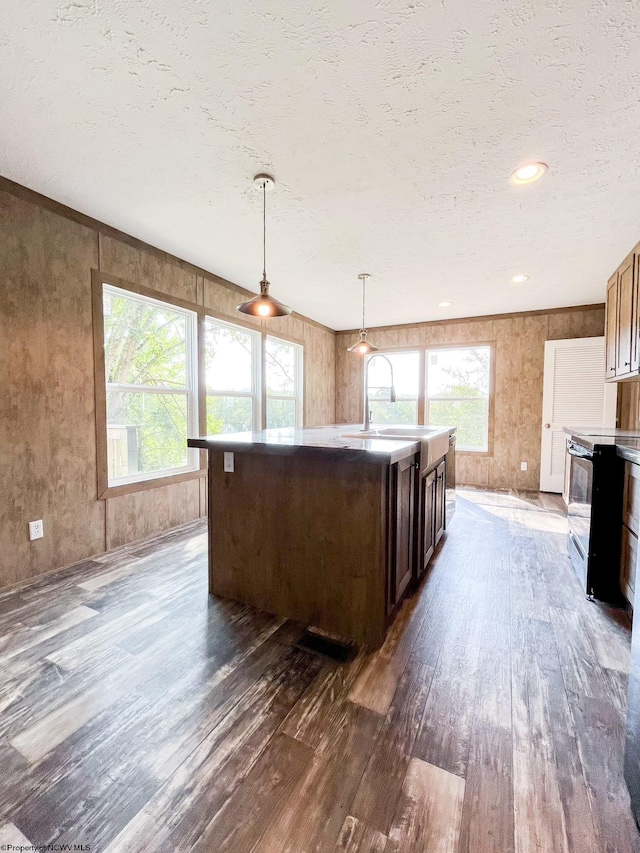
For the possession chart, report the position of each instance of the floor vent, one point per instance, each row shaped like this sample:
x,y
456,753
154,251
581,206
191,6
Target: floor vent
x,y
325,647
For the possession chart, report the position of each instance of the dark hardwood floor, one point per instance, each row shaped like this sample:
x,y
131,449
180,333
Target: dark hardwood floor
x,y
139,714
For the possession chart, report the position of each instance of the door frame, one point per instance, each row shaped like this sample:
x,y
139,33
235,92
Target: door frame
x,y
610,398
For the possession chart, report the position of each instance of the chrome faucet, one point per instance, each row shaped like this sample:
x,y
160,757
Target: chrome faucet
x,y
392,391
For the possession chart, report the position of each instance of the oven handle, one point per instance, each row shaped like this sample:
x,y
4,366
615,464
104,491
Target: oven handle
x,y
574,449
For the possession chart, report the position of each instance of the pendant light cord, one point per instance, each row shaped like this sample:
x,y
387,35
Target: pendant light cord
x,y
363,281
264,230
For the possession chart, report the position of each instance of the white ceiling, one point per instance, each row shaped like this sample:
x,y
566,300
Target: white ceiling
x,y
391,129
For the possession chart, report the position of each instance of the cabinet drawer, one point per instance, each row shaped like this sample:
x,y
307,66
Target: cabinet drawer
x,y
631,498
628,558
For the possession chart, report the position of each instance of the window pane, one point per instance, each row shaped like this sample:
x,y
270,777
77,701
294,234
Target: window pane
x,y
406,374
458,372
401,412
144,343
281,413
469,416
280,367
146,432
229,414
228,358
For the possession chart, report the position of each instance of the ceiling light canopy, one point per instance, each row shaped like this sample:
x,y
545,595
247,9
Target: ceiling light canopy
x,y
363,345
519,279
444,304
264,305
528,173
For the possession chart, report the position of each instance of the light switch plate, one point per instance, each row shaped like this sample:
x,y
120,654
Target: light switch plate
x,y
228,463
523,466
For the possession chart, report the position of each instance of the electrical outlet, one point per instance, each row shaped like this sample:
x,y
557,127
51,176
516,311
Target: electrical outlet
x,y
523,466
36,529
228,463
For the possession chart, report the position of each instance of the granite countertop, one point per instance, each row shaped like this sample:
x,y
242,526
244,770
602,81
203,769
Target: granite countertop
x,y
626,442
322,438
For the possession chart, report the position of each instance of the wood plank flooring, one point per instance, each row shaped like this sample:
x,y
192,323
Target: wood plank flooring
x,y
139,714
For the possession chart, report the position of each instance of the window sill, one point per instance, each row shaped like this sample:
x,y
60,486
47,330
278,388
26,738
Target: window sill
x,y
145,485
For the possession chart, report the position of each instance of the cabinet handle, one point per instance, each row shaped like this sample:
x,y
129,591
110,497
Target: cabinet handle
x,y
627,364
612,368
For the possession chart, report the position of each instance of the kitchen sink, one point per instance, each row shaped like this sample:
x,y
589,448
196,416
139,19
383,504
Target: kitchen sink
x,y
434,441
408,432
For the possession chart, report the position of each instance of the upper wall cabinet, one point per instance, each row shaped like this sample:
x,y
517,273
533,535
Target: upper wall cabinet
x,y
622,325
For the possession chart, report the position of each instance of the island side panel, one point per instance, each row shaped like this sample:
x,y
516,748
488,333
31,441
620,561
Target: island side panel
x,y
302,535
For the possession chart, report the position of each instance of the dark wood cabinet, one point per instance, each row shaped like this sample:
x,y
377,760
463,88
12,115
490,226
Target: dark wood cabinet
x,y
428,520
402,528
417,510
433,494
611,327
630,530
622,324
440,499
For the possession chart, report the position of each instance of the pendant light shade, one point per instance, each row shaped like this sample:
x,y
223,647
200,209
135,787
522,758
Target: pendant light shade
x,y
264,305
363,345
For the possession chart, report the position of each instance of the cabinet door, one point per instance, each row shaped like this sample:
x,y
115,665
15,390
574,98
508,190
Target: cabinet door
x,y
627,322
628,559
635,319
403,527
631,497
440,501
611,326
428,519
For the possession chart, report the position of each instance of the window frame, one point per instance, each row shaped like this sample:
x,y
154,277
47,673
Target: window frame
x,y
255,395
419,398
490,345
98,278
298,395
101,285
422,392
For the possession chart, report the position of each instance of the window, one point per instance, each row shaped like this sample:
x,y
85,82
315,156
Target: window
x,y
283,377
151,382
161,360
458,386
232,358
406,377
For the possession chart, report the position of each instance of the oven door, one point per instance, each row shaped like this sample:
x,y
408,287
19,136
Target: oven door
x,y
580,461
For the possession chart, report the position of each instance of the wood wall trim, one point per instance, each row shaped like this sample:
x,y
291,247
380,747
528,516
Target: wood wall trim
x,y
99,385
60,209
144,485
158,295
479,318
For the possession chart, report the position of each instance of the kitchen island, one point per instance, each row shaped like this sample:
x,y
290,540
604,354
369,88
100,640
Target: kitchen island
x,y
321,528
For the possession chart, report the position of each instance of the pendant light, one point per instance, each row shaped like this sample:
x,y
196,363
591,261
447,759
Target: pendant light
x,y
264,305
363,346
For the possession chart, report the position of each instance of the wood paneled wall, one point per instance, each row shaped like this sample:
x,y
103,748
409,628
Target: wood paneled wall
x,y
629,405
47,423
519,361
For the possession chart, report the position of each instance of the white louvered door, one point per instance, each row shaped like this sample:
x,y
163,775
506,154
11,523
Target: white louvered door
x,y
574,395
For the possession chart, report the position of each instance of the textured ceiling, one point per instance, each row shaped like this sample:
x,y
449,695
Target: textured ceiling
x,y
391,129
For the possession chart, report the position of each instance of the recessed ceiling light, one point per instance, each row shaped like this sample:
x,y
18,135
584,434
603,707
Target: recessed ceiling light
x,y
444,304
519,279
528,173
